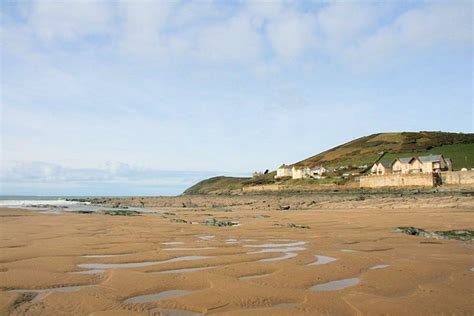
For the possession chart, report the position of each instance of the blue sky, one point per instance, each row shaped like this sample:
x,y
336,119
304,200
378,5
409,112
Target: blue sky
x,y
148,97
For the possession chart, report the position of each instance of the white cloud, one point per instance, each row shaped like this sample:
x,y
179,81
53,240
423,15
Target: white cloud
x,y
342,23
235,39
37,177
142,26
38,171
265,9
292,34
248,32
194,13
437,23
69,20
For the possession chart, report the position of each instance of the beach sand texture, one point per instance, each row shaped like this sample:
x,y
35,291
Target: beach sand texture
x,y
92,264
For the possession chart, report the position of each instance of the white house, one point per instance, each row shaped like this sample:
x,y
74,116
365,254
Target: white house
x,y
421,164
433,163
318,171
415,165
284,171
381,168
401,165
301,173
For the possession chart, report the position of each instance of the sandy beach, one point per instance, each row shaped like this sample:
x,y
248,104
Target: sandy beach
x,y
320,261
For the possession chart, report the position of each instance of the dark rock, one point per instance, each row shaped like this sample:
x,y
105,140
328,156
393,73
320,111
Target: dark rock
x,y
215,222
121,213
178,220
449,234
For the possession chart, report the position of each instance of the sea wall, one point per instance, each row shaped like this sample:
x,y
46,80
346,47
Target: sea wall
x,y
397,180
457,177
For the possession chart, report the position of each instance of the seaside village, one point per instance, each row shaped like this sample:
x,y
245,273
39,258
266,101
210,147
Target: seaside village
x,y
426,171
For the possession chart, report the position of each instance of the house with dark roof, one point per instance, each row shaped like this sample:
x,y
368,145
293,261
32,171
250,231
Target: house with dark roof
x,y
433,163
401,165
415,165
421,164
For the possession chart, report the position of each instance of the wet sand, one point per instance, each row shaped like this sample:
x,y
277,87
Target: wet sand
x,y
93,264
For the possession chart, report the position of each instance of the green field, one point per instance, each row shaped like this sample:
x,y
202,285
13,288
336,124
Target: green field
x,y
361,151
215,184
462,155
366,150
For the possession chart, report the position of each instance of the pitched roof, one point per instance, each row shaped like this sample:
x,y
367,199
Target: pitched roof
x,y
284,166
415,158
405,160
386,164
431,158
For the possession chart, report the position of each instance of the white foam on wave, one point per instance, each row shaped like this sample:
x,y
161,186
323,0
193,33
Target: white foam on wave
x,y
59,202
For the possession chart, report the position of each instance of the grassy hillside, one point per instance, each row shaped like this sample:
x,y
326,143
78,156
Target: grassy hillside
x,y
363,151
216,183
225,184
366,150
462,155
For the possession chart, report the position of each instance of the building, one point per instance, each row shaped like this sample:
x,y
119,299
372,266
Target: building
x,y
414,165
434,163
449,164
381,168
284,171
318,171
401,165
301,173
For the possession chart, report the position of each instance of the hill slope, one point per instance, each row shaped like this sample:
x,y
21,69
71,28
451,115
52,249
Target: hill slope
x,y
368,149
365,151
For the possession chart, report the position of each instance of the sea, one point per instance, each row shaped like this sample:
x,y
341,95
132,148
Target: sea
x,y
50,204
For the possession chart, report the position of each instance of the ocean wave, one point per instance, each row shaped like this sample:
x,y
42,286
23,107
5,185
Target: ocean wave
x,y
58,202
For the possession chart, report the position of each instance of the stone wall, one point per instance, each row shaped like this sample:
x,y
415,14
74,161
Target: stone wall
x,y
457,177
397,180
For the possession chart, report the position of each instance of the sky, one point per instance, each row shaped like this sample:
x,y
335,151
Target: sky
x,y
149,97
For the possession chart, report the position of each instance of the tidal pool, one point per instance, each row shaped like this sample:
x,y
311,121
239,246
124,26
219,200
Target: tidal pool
x,y
188,249
348,250
156,297
322,260
103,266
288,249
206,237
297,243
94,271
335,285
254,276
379,266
